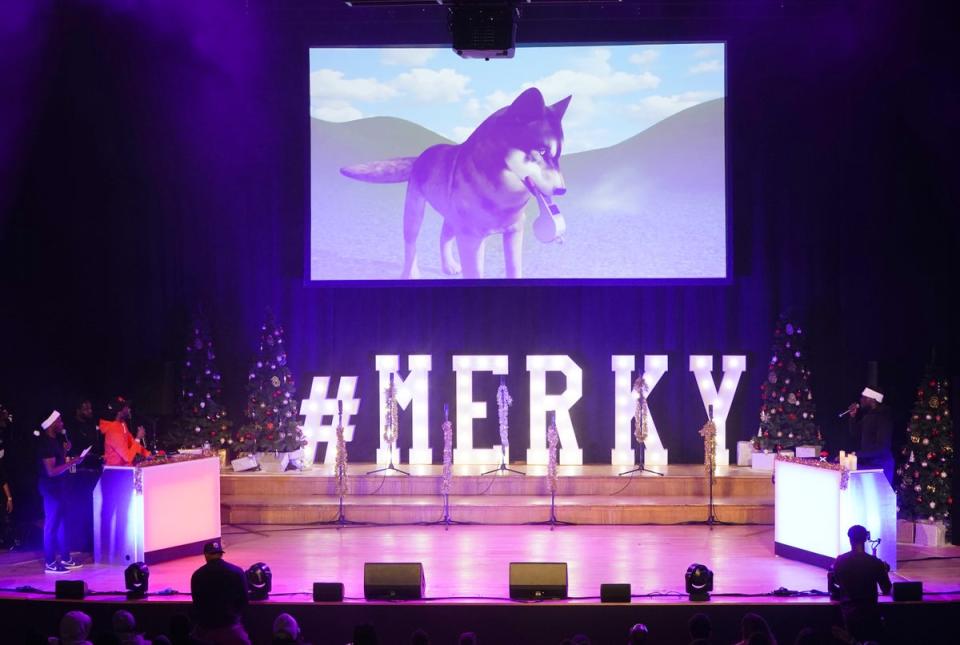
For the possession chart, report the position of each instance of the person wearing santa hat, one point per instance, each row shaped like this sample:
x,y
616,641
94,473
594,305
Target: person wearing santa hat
x,y
53,464
120,448
872,422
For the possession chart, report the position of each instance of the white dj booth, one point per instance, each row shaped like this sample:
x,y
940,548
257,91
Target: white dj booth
x,y
817,502
156,510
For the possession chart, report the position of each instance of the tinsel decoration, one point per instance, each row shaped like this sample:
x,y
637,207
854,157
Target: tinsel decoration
x,y
341,466
447,452
553,439
504,401
819,463
709,434
640,414
390,429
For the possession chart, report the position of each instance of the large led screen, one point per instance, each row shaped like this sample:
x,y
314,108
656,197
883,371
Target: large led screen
x,y
561,164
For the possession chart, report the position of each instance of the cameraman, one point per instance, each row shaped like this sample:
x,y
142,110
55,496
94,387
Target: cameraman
x,y
859,574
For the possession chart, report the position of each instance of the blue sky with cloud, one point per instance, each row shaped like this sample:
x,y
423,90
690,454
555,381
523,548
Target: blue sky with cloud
x,y
618,90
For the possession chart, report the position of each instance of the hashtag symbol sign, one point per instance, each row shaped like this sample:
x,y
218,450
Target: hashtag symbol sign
x,y
321,413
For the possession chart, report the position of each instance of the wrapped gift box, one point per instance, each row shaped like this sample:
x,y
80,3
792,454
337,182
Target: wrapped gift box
x,y
744,453
273,462
247,462
762,460
905,531
930,534
808,452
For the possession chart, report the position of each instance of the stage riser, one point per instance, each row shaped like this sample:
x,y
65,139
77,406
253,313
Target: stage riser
x,y
294,484
411,514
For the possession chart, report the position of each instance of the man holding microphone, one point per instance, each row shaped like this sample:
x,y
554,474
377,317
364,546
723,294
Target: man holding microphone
x,y
871,422
120,448
53,464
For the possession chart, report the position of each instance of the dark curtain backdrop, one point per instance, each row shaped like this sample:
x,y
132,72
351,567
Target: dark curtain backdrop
x,y
155,162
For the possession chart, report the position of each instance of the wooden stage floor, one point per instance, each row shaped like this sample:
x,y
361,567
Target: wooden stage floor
x,y
466,572
470,563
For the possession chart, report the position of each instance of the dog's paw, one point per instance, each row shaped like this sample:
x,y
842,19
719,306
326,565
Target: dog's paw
x,y
451,267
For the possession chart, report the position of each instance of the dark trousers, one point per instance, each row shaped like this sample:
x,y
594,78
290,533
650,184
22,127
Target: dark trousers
x,y
53,530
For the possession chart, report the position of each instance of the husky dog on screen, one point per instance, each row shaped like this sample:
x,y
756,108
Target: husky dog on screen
x,y
481,186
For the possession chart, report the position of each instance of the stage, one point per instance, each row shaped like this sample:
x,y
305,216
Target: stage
x,y
589,494
466,575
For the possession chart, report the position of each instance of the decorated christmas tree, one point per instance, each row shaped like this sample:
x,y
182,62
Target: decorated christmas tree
x,y
202,418
926,461
271,411
787,409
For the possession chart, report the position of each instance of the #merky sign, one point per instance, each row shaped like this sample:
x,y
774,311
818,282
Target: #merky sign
x,y
321,409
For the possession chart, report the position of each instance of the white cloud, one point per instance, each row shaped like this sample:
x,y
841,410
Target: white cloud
x,y
564,82
335,111
416,57
596,60
433,84
645,57
706,51
331,84
706,67
659,107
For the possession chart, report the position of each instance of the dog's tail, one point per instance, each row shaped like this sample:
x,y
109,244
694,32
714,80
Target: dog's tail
x,y
388,171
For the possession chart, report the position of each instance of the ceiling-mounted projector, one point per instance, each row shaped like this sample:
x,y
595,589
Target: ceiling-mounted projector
x,y
484,30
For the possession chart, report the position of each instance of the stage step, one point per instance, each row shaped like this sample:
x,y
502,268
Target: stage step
x,y
586,495
492,509
683,480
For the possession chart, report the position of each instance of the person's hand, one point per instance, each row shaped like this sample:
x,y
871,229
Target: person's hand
x,y
9,505
852,410
67,446
141,432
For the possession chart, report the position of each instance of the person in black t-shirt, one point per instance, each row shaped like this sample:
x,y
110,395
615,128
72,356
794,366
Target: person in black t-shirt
x,y
219,591
53,463
85,432
871,427
859,574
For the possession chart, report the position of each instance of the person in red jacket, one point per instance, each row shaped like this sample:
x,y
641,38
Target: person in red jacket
x,y
119,446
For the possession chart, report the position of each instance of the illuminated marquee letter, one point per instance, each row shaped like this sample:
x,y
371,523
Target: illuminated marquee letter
x,y
468,409
415,390
733,368
318,408
625,399
541,403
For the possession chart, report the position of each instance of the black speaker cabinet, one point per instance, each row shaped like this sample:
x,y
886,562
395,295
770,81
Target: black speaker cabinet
x,y
538,580
70,589
393,580
327,592
615,593
908,591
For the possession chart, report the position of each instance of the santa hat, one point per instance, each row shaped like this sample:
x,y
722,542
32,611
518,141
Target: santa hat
x,y
872,394
49,421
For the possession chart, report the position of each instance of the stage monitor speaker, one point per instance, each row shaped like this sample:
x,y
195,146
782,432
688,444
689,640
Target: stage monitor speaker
x,y
393,580
615,593
907,591
538,580
70,589
327,592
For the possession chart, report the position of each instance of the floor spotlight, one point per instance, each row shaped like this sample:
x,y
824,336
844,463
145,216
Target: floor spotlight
x,y
699,581
259,581
136,577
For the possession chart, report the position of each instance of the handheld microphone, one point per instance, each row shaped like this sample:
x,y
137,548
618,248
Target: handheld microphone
x,y
848,411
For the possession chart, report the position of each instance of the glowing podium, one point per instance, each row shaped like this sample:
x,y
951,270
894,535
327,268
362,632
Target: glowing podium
x,y
156,510
816,502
